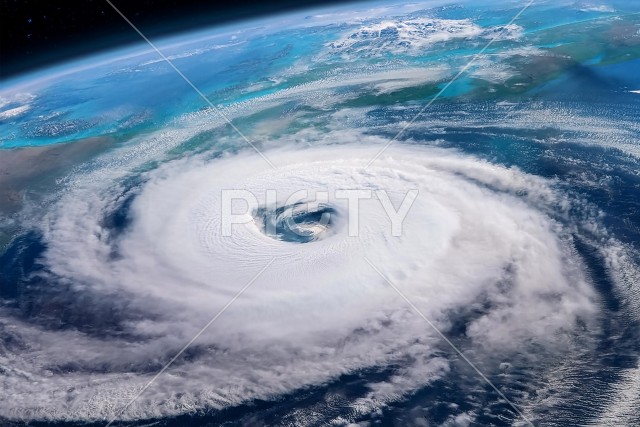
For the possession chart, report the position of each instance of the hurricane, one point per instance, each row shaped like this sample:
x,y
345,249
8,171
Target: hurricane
x,y
340,254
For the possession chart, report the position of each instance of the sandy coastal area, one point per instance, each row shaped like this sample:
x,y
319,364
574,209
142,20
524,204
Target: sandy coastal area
x,y
27,169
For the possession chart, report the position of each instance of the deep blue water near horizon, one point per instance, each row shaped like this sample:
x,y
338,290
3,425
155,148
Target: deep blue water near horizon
x,y
121,101
133,105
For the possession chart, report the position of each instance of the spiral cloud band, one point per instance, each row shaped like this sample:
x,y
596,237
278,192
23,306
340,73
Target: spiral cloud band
x,y
478,242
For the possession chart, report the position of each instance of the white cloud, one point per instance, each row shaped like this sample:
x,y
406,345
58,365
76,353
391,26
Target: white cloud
x,y
412,36
319,311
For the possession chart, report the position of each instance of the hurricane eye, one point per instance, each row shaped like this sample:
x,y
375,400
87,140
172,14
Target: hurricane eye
x,y
296,223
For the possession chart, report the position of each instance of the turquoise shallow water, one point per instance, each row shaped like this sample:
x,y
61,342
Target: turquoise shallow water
x,y
141,92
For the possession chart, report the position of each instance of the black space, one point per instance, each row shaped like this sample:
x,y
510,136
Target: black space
x,y
39,33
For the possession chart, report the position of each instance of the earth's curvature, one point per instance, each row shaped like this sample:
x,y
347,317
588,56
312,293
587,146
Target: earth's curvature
x,y
509,294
